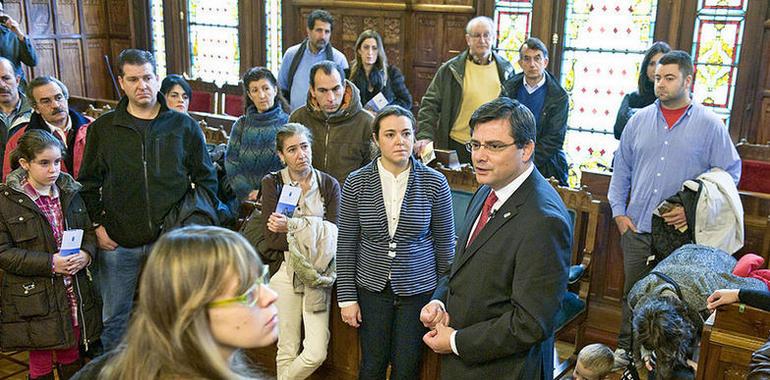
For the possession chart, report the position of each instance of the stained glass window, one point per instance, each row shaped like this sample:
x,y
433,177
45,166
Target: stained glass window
x,y
716,52
158,36
604,45
214,51
273,34
513,20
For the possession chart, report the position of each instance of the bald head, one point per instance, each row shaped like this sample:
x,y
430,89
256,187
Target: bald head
x,y
9,85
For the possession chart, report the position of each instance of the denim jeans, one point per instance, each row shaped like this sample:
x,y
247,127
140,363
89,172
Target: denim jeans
x,y
117,272
390,332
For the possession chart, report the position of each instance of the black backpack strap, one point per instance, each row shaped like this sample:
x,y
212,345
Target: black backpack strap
x,y
293,67
671,281
329,52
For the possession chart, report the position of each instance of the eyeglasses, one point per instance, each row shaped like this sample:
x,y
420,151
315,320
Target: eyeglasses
x,y
538,58
250,297
492,147
487,36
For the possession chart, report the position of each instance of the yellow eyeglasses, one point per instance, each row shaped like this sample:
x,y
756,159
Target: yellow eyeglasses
x,y
250,297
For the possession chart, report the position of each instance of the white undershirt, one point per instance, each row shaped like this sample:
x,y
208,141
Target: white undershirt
x,y
531,89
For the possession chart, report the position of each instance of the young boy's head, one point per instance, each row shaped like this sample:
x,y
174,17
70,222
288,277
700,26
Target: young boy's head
x,y
594,362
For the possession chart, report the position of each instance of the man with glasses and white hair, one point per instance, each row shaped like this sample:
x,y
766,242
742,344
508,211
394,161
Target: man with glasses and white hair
x,y
537,89
459,87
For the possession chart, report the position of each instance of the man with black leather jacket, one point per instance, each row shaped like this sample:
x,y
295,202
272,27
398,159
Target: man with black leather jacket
x,y
138,164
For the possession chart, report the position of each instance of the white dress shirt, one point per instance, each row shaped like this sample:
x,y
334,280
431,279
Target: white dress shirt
x,y
531,89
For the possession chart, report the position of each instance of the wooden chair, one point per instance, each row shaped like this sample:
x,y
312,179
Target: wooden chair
x,y
94,112
232,100
213,135
204,96
728,342
754,189
584,211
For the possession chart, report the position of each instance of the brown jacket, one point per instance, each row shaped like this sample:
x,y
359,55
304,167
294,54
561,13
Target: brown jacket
x,y
34,311
341,140
276,243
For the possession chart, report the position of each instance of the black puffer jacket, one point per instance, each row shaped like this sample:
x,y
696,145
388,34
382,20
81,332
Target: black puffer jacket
x,y
34,311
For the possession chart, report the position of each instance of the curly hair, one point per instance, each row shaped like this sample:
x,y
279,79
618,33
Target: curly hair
x,y
661,325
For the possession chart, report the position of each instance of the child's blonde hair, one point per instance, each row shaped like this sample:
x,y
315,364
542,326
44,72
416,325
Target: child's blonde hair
x,y
597,358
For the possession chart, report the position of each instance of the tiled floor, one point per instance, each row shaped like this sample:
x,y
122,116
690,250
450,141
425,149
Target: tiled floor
x,y
13,365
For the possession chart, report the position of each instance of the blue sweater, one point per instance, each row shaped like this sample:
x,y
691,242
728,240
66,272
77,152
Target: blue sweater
x,y
533,101
251,151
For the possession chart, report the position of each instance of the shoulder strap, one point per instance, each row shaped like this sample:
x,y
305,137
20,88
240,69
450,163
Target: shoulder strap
x,y
329,52
671,281
295,62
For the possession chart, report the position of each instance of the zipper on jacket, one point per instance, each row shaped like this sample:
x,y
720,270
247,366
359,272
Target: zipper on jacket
x,y
326,145
82,314
146,180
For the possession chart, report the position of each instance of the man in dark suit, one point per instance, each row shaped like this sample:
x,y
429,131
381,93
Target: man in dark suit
x,y
510,268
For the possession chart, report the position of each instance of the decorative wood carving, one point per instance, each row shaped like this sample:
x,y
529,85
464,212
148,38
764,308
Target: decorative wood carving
x,y
428,43
71,66
94,17
119,17
40,17
454,36
99,84
67,20
46,58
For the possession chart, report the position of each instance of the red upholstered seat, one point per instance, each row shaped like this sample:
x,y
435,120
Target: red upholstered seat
x,y
755,176
233,105
201,102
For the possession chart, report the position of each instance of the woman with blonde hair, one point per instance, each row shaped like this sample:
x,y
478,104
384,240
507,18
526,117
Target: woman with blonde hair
x,y
371,73
203,296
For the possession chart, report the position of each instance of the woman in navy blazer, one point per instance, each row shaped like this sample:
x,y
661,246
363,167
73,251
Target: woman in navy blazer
x,y
396,239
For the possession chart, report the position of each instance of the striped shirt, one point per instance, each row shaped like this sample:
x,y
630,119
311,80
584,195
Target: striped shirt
x,y
419,252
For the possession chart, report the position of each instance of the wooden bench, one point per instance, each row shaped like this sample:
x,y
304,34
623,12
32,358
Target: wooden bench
x,y
727,344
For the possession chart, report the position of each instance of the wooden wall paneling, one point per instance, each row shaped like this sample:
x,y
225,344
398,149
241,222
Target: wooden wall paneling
x,y
349,26
67,17
759,129
71,66
138,17
428,28
454,35
119,20
99,84
94,17
40,20
421,77
46,58
393,30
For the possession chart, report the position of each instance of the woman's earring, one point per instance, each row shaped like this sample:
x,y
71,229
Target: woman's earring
x,y
283,162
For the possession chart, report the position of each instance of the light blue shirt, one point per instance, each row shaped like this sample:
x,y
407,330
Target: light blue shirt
x,y
653,160
301,83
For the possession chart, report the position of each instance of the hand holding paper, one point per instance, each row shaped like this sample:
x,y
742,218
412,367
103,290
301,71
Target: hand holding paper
x,y
70,242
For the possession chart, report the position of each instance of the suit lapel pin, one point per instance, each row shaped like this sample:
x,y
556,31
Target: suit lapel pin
x,y
506,215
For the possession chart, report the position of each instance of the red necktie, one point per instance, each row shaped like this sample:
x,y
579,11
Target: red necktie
x,y
486,212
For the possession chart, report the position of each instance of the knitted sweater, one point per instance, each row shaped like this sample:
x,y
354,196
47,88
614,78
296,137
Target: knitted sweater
x,y
251,151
